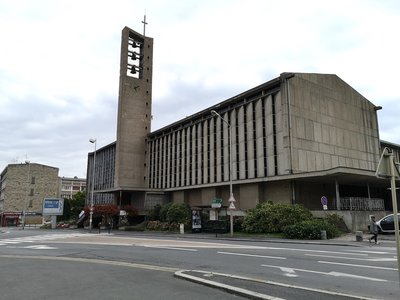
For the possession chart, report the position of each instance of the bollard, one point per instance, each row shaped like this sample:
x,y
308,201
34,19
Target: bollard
x,y
182,228
359,236
323,234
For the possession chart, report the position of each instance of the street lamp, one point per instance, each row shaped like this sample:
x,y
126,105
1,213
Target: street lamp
x,y
93,141
231,199
27,194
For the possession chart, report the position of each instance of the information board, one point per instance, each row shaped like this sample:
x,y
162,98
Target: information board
x,y
53,206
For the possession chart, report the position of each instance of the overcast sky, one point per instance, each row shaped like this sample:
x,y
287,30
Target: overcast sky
x,y
59,63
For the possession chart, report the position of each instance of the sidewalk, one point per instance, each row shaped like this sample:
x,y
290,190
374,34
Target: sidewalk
x,y
348,239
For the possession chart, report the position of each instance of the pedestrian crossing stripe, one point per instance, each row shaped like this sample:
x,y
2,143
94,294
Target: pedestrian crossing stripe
x,y
38,238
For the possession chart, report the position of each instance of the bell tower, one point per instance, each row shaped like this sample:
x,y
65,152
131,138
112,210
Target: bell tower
x,y
134,110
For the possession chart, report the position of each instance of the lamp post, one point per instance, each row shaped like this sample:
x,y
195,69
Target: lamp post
x,y
27,194
93,141
231,199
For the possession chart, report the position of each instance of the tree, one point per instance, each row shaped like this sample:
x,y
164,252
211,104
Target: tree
x,y
77,204
67,210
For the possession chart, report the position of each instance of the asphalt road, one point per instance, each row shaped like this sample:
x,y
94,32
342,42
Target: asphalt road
x,y
69,264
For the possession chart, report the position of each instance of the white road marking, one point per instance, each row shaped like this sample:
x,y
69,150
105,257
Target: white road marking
x,y
289,272
40,247
336,274
238,290
93,261
368,252
353,258
170,248
282,285
42,238
310,250
354,265
251,255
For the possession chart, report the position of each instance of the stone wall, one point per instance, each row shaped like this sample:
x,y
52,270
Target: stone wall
x,y
354,220
22,193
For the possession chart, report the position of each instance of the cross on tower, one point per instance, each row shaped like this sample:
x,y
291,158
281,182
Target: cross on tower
x,y
144,25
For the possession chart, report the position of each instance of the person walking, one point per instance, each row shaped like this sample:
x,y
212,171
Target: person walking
x,y
374,230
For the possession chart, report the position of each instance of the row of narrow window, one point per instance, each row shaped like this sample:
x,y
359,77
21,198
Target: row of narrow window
x,y
104,170
175,159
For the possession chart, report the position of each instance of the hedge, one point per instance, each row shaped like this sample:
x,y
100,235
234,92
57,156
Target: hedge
x,y
310,230
272,218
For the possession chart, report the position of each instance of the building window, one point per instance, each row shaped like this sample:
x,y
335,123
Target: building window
x,y
30,203
31,193
33,180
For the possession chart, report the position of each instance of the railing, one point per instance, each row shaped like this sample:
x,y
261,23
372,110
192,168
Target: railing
x,y
358,203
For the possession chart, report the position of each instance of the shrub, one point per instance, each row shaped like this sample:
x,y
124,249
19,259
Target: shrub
x,y
178,213
106,210
154,214
272,218
163,212
130,210
139,227
337,221
238,223
310,230
162,226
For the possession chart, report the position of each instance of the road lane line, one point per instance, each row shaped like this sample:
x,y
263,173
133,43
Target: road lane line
x,y
353,258
170,248
354,265
233,289
94,261
251,255
368,252
280,284
310,250
333,273
39,247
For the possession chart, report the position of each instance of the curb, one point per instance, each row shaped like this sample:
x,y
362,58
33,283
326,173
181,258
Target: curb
x,y
255,295
228,288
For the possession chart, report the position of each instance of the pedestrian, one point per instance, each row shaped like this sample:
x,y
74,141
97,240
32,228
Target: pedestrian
x,y
374,230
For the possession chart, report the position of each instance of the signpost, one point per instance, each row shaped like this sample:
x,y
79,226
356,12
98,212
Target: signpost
x,y
216,203
387,169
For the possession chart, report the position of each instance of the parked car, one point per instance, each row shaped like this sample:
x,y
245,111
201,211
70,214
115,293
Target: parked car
x,y
386,224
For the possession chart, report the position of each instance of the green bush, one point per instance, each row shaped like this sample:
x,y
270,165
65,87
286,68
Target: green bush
x,y
178,213
154,214
238,223
310,230
163,212
271,218
139,227
337,221
162,226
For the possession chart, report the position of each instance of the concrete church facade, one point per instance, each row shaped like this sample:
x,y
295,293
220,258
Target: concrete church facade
x,y
294,139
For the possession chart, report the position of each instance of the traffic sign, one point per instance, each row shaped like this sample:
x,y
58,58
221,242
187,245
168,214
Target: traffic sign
x,y
216,203
384,169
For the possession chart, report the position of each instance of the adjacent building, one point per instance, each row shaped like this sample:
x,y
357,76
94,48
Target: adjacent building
x,y
294,139
68,186
23,188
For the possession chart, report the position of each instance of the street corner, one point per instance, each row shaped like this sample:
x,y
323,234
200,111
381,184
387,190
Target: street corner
x,y
240,286
254,288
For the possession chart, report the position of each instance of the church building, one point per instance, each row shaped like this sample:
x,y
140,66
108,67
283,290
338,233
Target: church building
x,y
297,138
